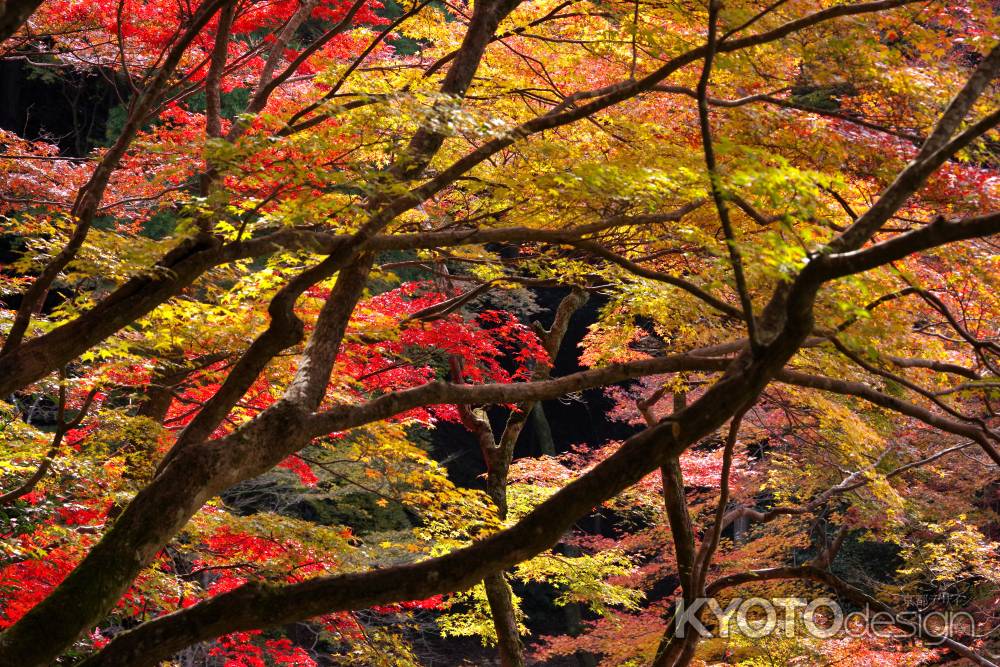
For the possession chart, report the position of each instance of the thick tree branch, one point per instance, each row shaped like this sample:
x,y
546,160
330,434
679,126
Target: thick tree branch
x,y
88,198
261,605
935,151
13,13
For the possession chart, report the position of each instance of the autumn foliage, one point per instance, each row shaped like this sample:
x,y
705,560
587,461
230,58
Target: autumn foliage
x,y
298,316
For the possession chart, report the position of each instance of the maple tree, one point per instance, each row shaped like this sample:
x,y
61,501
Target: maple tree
x,y
315,231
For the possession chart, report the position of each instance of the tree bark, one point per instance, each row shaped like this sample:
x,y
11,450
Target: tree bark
x,y
501,601
546,444
204,469
13,14
189,476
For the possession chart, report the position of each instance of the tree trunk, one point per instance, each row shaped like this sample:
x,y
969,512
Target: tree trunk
x,y
107,571
675,651
501,601
546,444
498,592
574,620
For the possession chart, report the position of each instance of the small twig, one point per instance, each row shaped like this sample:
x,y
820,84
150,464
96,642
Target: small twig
x,y
735,257
61,430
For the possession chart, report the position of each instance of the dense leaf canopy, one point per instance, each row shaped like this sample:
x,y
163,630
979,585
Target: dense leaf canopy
x,y
286,255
